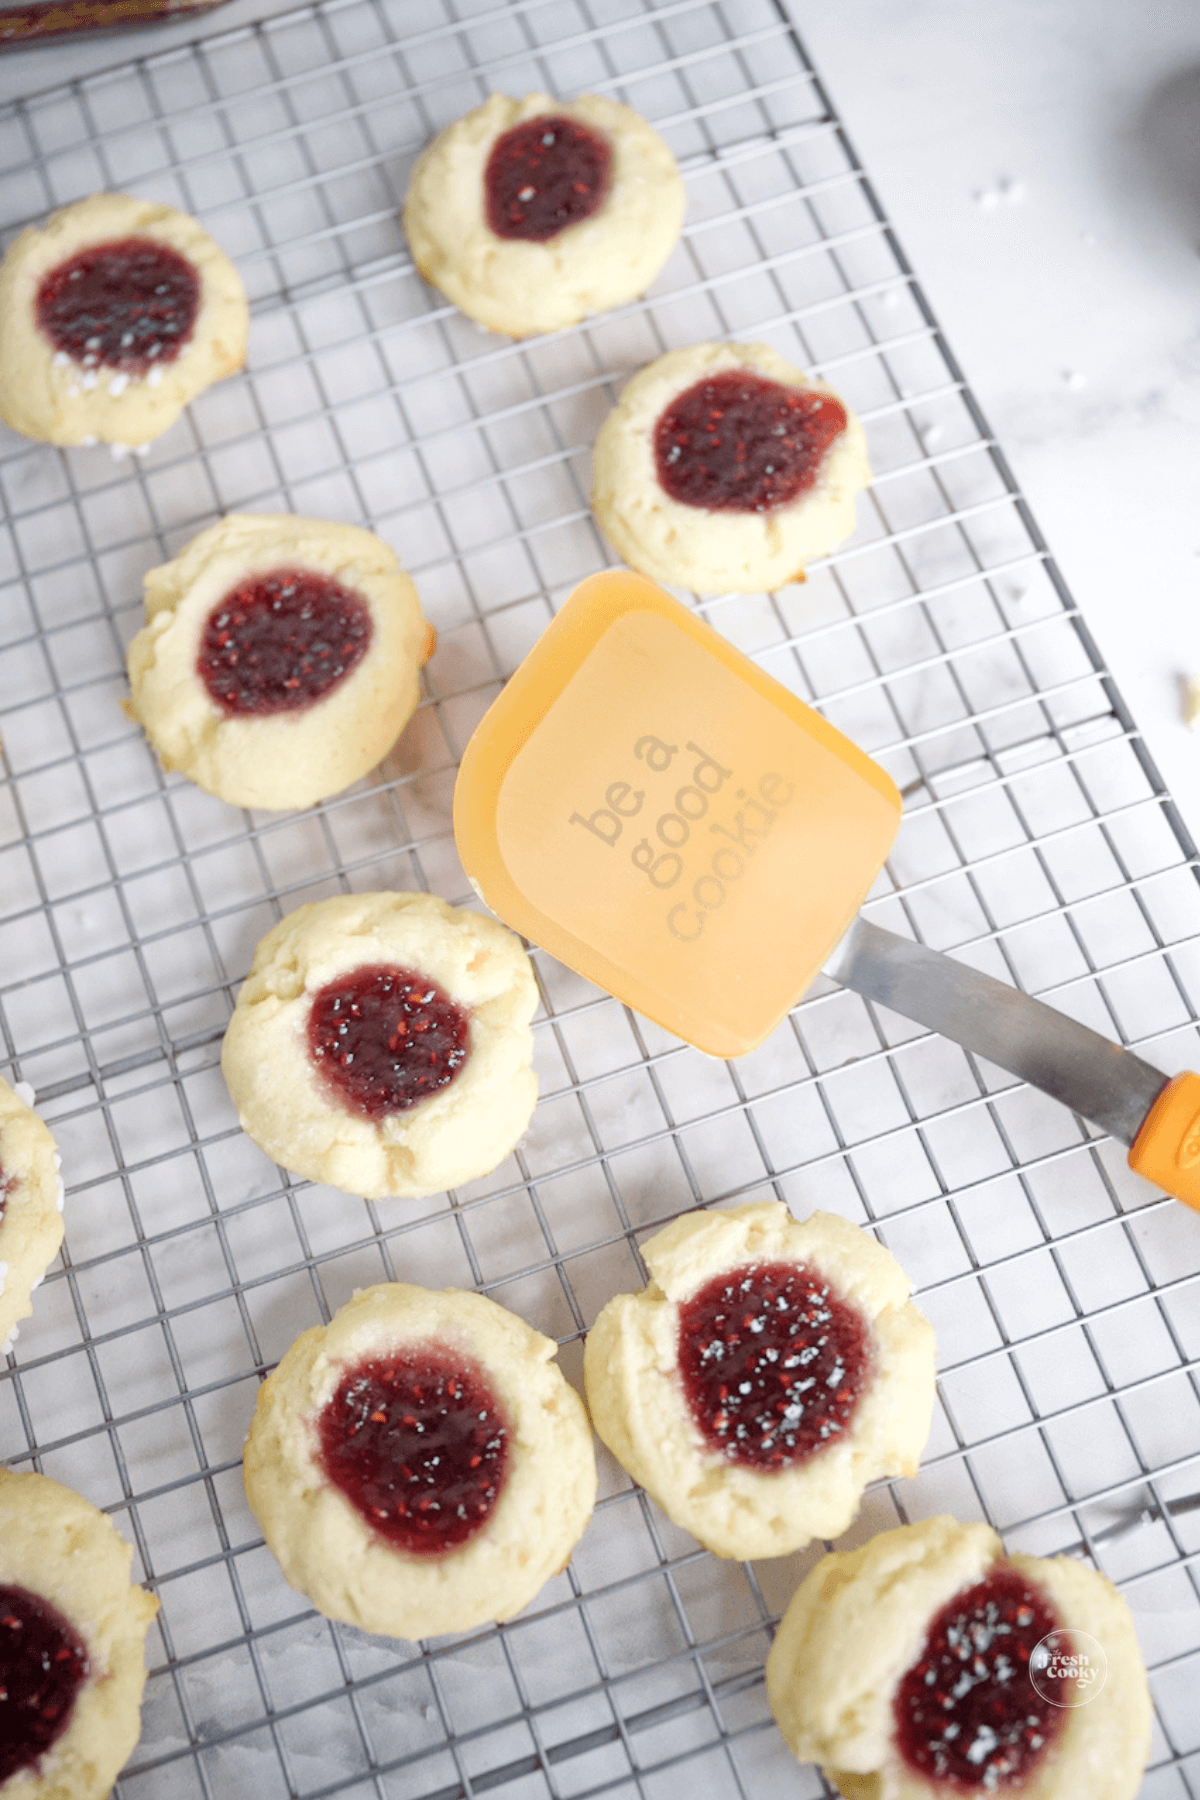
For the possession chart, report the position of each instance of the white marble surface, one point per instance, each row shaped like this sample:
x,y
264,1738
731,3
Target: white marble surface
x,y
1040,160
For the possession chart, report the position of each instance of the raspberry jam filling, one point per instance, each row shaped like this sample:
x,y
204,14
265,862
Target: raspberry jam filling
x,y
385,1038
7,1184
740,443
773,1363
967,1713
43,1665
543,176
127,306
418,1443
281,641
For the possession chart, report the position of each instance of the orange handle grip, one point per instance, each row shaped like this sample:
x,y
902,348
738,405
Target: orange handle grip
x,y
1167,1148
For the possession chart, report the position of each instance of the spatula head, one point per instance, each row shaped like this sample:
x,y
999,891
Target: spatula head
x,y
662,816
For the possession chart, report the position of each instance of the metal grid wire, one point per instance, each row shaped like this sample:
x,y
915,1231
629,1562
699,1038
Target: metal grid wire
x,y
1038,843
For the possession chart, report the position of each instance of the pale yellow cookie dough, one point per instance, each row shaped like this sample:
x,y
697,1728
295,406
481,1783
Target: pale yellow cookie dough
x,y
56,1545
320,1539
284,759
692,546
460,1132
31,1227
45,394
521,287
640,1410
859,1621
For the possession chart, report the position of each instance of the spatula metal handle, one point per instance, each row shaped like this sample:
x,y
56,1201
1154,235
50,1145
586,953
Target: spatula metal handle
x,y
1130,1099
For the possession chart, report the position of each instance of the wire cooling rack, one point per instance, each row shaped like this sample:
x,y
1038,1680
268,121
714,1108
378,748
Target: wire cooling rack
x,y
1038,843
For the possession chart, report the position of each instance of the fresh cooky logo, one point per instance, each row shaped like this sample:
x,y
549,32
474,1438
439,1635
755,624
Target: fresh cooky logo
x,y
1068,1668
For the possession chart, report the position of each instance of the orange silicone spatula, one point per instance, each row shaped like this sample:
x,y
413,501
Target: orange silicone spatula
x,y
666,819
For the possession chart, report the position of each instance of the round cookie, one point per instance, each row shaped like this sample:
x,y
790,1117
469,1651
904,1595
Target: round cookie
x,y
768,1373
280,660
904,1668
725,470
78,365
427,1086
420,1465
71,1714
31,1198
528,229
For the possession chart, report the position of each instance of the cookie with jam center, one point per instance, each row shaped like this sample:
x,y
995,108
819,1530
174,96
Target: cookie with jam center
x,y
381,1044
114,316
769,1371
725,469
280,659
530,214
420,1465
928,1664
72,1629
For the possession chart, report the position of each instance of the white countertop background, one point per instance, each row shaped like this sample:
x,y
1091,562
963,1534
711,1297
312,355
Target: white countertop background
x,y
1040,160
